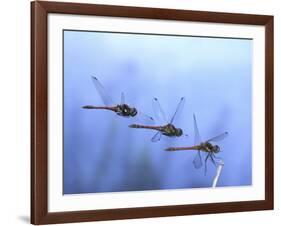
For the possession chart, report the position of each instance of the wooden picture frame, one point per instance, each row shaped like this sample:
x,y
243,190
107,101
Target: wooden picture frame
x,y
39,112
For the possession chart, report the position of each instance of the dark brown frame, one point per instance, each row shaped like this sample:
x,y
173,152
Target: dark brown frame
x,y
39,107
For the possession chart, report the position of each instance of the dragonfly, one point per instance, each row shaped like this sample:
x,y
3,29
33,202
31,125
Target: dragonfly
x,y
206,147
121,109
167,128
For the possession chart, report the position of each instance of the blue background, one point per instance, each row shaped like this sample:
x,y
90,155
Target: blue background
x,y
101,154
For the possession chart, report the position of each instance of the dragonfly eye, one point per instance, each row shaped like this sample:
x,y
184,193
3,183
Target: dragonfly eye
x,y
179,132
133,112
216,149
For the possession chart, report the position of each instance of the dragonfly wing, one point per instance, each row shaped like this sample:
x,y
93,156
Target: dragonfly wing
x,y
197,162
123,98
218,138
102,92
156,137
144,118
158,111
197,138
178,110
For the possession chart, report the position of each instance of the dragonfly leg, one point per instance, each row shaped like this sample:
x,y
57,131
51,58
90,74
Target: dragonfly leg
x,y
212,158
206,163
219,160
216,157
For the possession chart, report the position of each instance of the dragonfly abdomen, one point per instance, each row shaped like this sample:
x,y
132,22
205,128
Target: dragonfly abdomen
x,y
100,107
182,148
136,126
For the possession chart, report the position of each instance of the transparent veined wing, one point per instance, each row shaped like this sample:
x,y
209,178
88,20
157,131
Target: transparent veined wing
x,y
156,137
123,98
102,92
158,112
197,161
218,138
144,118
178,111
197,138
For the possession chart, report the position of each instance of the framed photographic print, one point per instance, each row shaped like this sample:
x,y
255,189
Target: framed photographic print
x,y
147,112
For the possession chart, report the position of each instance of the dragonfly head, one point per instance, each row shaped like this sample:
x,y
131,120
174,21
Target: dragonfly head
x,y
133,112
178,132
216,149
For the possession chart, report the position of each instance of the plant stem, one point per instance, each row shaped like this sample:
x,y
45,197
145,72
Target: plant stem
x,y
218,173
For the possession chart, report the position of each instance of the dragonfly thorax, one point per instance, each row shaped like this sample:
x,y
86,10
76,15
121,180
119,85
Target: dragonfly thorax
x,y
171,130
126,110
208,147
